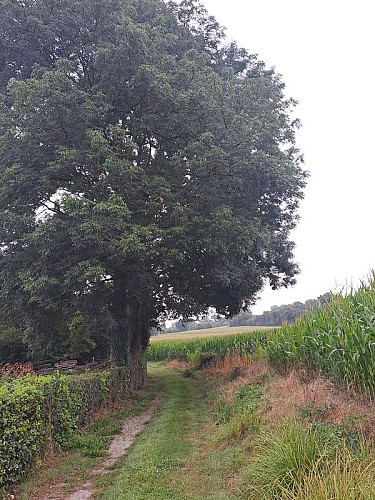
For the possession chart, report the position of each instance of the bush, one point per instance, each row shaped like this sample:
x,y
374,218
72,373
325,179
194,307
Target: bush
x,y
37,411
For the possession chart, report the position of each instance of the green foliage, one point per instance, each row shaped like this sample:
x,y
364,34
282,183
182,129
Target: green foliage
x,y
22,427
205,349
105,428
313,411
239,426
36,411
287,313
12,345
145,167
338,339
91,446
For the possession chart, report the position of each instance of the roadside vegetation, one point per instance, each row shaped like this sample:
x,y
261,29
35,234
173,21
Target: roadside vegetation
x,y
40,413
59,472
320,447
237,429
278,414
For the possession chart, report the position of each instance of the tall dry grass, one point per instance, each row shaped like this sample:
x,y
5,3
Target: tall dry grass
x,y
300,462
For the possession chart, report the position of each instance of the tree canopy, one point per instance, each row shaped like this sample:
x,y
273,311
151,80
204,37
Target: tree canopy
x,y
146,167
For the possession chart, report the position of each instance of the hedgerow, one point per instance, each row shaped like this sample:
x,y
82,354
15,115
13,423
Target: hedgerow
x,y
46,410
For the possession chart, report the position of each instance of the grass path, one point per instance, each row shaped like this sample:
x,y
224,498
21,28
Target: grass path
x,y
173,458
225,433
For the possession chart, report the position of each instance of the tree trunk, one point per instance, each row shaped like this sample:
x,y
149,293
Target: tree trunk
x,y
137,330
130,337
119,342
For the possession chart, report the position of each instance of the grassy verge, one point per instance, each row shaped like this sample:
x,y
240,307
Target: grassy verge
x,y
231,428
62,472
194,446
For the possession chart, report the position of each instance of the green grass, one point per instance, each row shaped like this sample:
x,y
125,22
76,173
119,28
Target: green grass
x,y
85,452
238,418
347,478
91,445
295,460
163,447
181,454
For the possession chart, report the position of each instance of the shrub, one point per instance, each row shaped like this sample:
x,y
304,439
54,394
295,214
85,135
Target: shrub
x,y
37,411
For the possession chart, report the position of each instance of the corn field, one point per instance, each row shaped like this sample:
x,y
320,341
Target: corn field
x,y
338,340
186,350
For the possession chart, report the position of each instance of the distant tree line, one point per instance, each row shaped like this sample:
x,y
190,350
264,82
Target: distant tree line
x,y
276,316
185,326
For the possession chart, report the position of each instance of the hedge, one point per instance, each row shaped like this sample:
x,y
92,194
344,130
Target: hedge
x,y
38,411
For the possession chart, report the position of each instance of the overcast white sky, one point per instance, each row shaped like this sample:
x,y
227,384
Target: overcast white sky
x,y
325,51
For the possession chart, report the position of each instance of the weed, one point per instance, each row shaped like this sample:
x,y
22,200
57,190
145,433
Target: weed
x,y
91,446
238,417
113,429
341,435
347,478
313,411
235,373
99,425
189,372
239,425
205,358
224,412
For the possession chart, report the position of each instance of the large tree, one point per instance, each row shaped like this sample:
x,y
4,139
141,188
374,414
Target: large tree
x,y
145,167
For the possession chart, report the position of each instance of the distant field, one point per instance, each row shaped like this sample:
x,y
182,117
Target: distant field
x,y
210,332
